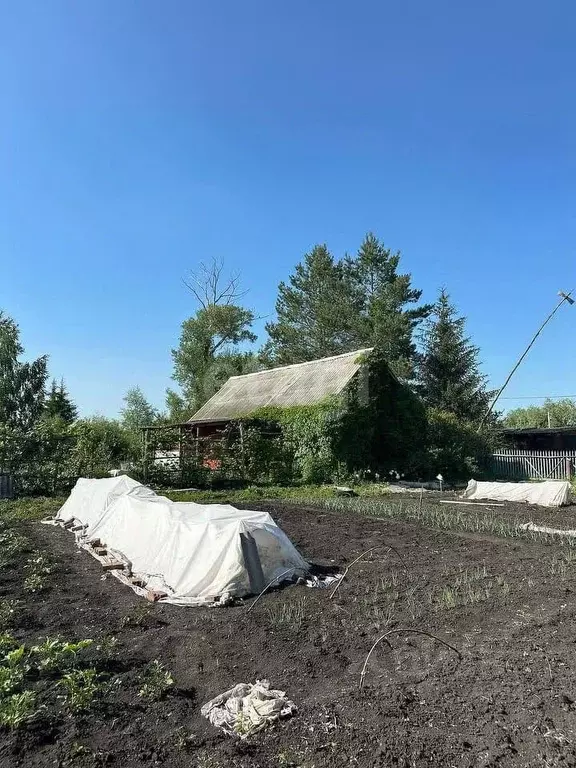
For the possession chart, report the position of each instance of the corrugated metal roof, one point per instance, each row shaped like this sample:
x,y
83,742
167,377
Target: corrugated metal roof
x,y
538,430
298,384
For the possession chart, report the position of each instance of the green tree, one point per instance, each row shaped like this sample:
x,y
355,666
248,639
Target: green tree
x,y
449,376
316,312
455,447
59,403
178,410
49,468
329,307
559,413
389,315
22,385
210,347
100,444
137,411
206,350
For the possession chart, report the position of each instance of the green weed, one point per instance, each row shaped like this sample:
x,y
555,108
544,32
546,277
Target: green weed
x,y
107,646
157,680
12,544
9,612
7,643
242,724
206,760
17,709
82,687
291,758
505,586
11,678
39,568
137,616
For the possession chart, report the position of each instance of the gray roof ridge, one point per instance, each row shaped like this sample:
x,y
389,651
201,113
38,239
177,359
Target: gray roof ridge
x,y
306,362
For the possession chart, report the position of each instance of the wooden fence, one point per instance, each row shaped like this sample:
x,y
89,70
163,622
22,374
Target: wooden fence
x,y
511,463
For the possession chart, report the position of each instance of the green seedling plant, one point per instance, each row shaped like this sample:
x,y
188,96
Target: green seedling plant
x,y
39,568
157,680
107,646
7,643
55,654
82,687
9,610
17,709
447,598
242,725
13,668
431,516
11,545
137,616
11,678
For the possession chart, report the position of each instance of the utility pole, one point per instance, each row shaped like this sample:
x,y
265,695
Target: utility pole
x,y
565,297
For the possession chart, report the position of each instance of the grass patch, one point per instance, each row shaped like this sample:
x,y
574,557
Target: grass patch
x,y
273,492
29,508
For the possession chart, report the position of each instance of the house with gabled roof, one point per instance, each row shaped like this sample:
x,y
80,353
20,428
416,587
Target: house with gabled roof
x,y
306,383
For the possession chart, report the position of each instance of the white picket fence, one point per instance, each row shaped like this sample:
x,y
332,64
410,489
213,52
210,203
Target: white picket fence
x,y
511,463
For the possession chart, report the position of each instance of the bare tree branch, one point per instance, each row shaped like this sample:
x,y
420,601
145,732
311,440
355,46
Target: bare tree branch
x,y
210,289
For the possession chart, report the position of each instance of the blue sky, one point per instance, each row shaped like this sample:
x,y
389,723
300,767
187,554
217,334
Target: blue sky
x,y
139,137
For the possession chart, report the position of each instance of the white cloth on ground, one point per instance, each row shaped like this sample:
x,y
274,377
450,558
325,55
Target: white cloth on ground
x,y
246,708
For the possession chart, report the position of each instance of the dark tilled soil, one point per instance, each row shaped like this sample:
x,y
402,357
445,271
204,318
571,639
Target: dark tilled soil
x,y
508,700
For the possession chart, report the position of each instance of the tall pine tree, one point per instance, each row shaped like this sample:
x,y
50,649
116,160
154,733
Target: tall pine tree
x,y
449,376
317,312
389,315
59,403
329,307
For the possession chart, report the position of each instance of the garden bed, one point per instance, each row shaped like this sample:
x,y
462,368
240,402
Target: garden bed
x,y
505,603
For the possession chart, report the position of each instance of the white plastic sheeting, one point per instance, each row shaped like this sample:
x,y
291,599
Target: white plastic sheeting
x,y
549,493
246,709
193,552
571,533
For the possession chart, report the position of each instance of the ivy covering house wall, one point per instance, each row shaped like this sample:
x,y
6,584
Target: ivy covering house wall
x,y
378,426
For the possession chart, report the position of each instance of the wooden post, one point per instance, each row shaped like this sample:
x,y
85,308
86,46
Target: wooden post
x,y
568,468
145,454
180,457
242,452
